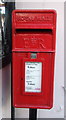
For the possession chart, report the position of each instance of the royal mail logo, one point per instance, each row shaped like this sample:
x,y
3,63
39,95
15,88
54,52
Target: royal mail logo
x,y
34,18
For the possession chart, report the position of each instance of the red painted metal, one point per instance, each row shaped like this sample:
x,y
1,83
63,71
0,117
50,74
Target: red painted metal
x,y
33,31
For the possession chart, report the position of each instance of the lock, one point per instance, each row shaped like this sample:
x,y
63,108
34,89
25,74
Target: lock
x,y
33,55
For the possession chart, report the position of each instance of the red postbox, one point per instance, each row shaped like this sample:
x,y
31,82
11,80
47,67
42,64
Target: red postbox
x,y
33,54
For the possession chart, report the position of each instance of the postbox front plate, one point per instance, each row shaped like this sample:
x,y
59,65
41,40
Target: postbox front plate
x,y
26,91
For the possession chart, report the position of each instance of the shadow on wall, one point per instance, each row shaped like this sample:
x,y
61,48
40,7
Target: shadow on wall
x,y
6,83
